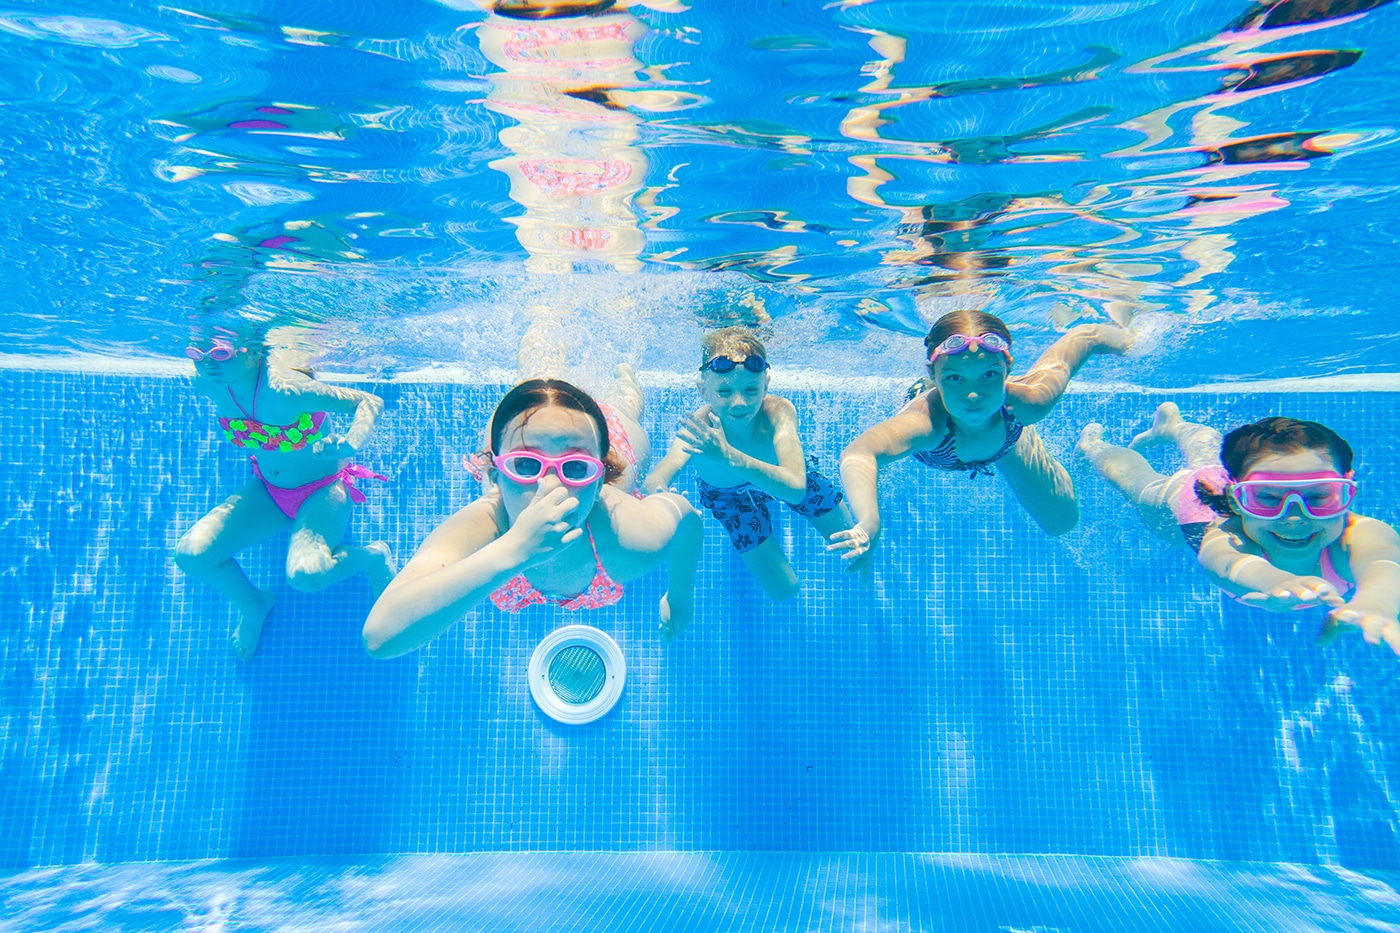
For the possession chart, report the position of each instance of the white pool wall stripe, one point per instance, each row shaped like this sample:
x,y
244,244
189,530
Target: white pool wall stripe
x,y
784,379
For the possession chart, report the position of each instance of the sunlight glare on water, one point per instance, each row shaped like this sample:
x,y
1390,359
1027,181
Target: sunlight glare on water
x,y
420,183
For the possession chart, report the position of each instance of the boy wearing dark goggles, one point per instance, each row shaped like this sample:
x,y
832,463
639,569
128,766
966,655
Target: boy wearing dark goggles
x,y
744,446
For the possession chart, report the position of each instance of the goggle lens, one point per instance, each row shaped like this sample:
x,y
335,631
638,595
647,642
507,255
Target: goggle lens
x,y
1318,498
574,470
723,364
220,352
961,343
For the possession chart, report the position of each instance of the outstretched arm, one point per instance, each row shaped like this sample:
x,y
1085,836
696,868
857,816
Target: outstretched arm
x,y
1233,563
860,473
1374,550
661,527
1035,395
365,406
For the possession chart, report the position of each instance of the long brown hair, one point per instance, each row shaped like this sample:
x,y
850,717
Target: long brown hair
x,y
533,394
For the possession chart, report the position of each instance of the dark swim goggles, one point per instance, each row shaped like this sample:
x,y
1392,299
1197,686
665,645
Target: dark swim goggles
x,y
723,364
1318,495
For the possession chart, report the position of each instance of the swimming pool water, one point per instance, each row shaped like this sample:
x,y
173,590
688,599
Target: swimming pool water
x,y
993,692
844,169
1000,732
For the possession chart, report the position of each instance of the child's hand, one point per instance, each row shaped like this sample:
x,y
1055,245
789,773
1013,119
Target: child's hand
x,y
858,545
1295,593
701,435
677,612
1112,338
543,526
333,447
1375,626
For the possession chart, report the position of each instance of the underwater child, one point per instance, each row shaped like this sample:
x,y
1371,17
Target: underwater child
x,y
302,477
551,527
973,418
744,447
1268,512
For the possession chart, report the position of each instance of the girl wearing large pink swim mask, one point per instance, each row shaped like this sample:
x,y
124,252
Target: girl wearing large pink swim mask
x,y
1270,517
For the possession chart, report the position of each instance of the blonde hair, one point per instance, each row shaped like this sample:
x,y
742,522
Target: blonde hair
x,y
733,342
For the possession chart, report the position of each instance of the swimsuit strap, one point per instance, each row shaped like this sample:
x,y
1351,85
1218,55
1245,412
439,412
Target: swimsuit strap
x,y
597,561
257,381
945,455
1329,569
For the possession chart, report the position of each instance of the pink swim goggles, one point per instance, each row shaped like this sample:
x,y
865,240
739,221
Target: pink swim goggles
x,y
1318,495
528,467
961,343
221,351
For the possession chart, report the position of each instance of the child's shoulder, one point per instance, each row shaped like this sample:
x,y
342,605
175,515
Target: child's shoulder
x,y
1362,527
775,406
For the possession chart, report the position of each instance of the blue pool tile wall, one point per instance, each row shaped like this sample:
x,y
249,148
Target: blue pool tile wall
x,y
991,691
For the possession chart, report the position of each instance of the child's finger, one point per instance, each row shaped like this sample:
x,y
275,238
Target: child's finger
x,y
1332,627
1391,634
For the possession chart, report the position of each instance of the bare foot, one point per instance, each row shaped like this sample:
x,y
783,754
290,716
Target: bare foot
x,y
1089,438
1166,425
244,638
627,394
380,575
674,621
544,347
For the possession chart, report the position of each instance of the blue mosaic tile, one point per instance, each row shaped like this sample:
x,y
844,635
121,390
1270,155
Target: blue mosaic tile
x,y
992,690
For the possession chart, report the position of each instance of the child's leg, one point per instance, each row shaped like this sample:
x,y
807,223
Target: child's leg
x,y
206,552
315,559
823,506
746,515
770,567
544,347
627,401
1041,483
1149,491
838,519
1197,442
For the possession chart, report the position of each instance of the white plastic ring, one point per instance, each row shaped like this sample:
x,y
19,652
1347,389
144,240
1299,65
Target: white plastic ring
x,y
583,655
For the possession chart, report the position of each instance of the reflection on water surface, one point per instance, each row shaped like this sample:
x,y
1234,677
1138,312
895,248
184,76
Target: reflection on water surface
x,y
858,167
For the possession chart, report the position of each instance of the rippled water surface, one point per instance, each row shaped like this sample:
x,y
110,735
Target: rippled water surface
x,y
423,181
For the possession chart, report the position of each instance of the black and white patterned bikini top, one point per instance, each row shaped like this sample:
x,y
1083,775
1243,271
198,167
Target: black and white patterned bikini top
x,y
945,455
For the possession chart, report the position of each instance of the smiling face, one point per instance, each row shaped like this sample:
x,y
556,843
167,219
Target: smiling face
x,y
553,431
735,397
1293,536
972,384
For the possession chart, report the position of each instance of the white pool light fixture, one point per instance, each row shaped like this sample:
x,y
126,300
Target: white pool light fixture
x,y
577,674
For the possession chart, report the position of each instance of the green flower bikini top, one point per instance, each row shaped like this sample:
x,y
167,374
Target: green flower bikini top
x,y
251,434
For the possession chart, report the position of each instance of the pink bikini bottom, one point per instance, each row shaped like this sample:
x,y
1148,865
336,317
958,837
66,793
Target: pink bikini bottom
x,y
290,500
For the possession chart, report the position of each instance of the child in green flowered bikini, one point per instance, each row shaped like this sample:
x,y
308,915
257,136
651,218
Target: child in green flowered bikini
x,y
302,478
